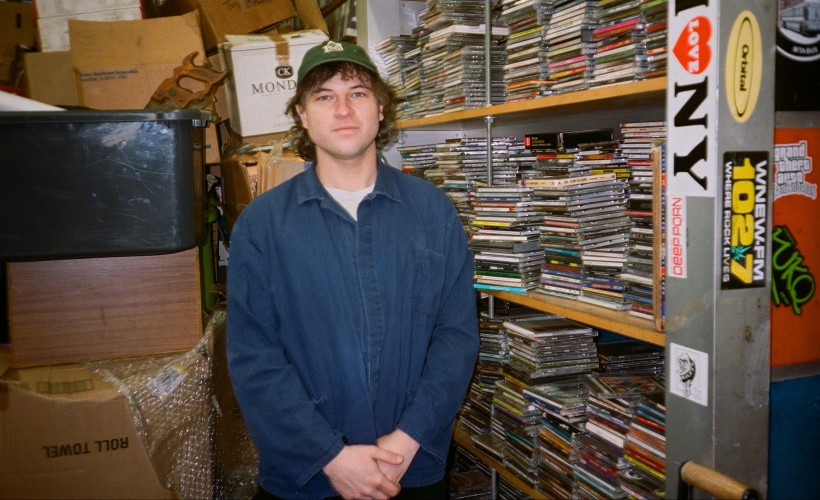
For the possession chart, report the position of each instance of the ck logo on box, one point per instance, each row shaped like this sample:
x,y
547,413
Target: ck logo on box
x,y
284,84
284,71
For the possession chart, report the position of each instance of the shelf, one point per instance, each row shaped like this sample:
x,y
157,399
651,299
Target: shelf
x,y
620,322
644,93
464,439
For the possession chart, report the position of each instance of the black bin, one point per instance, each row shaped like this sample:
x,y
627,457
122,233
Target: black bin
x,y
100,183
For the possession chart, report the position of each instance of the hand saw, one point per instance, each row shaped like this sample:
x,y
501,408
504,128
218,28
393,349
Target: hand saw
x,y
173,94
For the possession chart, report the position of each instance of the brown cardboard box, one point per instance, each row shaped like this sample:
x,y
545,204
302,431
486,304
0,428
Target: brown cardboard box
x,y
66,433
246,176
220,18
119,64
17,23
53,35
49,78
64,311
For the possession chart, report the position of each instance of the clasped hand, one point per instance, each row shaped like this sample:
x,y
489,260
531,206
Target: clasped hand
x,y
373,472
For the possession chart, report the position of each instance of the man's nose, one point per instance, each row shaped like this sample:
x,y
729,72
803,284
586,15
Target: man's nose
x,y
343,107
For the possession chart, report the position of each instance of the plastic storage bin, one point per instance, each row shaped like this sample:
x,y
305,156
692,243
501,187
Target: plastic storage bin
x,y
100,183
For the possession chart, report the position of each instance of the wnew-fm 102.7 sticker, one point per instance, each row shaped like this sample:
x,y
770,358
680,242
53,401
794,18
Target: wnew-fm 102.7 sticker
x,y
744,235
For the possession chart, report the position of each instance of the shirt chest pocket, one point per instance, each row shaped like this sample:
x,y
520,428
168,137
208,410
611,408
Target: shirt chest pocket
x,y
427,281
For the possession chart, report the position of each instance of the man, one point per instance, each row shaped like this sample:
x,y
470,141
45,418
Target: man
x,y
352,327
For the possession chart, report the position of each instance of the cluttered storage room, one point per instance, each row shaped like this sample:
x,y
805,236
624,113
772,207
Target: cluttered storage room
x,y
413,249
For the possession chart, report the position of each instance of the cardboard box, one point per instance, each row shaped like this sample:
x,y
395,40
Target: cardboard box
x,y
59,8
119,64
66,433
17,23
235,17
246,176
49,78
71,310
53,35
263,78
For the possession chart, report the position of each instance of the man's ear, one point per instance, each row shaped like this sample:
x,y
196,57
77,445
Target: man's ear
x,y
300,112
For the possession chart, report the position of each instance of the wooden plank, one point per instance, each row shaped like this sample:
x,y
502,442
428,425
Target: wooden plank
x,y
71,310
598,317
620,95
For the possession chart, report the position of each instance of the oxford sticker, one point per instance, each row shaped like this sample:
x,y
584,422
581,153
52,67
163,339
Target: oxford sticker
x,y
744,219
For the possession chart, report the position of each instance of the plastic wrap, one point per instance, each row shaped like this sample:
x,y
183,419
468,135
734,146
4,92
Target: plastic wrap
x,y
185,412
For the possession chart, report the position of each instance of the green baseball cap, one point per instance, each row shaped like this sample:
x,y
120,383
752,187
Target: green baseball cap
x,y
331,51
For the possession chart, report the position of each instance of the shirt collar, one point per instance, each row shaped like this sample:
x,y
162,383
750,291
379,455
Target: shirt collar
x,y
309,188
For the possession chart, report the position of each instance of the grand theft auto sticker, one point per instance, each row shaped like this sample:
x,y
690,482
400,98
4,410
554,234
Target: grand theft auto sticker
x,y
744,66
744,219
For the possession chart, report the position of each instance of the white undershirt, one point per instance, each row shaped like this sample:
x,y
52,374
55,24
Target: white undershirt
x,y
350,199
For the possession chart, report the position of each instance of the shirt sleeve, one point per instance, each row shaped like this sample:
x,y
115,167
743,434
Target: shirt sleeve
x,y
292,436
452,353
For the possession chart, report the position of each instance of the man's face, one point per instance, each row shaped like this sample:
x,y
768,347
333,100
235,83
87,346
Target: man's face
x,y
342,118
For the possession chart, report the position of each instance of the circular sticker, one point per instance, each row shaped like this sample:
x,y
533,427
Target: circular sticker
x,y
798,32
744,66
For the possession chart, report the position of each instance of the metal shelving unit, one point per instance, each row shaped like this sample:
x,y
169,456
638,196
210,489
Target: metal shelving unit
x,y
719,106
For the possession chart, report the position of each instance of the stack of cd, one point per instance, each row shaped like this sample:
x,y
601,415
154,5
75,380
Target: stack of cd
x,y
630,357
524,159
550,347
464,82
509,159
604,248
431,76
508,491
600,452
603,157
505,168
493,353
516,420
583,227
504,237
472,485
526,73
453,58
474,414
570,53
460,163
563,413
400,60
654,37
415,160
639,142
645,449
619,55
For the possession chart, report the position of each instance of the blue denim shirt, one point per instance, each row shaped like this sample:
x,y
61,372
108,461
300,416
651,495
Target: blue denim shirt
x,y
342,331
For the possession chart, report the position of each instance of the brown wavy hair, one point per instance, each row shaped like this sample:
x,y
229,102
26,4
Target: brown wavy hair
x,y
300,140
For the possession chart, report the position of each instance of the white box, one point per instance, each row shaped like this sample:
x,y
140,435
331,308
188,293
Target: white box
x,y
53,31
263,78
59,8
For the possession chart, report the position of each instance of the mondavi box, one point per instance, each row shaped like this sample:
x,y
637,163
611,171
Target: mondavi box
x,y
263,78
86,183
